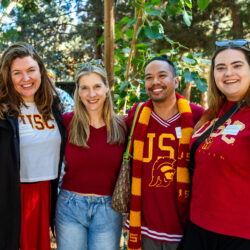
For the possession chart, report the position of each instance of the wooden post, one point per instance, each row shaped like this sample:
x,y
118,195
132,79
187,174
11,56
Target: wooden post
x,y
137,24
187,91
109,23
204,103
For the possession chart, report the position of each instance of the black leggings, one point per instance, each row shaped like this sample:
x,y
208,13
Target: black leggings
x,y
197,238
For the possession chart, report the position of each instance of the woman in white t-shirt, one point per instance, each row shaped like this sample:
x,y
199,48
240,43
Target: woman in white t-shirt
x,y
31,149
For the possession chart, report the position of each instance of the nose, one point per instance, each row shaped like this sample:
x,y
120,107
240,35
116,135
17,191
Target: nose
x,y
228,71
155,80
26,77
92,93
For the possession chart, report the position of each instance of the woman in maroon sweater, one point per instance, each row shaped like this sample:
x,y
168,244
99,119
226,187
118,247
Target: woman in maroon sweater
x,y
220,217
93,154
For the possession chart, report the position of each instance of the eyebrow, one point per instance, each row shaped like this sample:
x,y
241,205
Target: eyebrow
x,y
31,67
162,71
222,64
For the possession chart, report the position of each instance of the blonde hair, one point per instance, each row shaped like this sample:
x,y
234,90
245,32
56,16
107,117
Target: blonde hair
x,y
79,126
216,97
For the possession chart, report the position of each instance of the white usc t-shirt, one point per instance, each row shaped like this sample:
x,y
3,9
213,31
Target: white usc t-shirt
x,y
39,146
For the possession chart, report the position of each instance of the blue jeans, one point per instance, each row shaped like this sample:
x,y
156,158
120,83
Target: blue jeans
x,y
86,222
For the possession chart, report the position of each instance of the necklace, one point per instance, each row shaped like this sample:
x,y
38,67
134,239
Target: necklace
x,y
209,139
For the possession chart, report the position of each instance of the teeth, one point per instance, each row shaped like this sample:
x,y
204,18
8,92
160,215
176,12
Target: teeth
x,y
157,90
93,101
27,85
231,81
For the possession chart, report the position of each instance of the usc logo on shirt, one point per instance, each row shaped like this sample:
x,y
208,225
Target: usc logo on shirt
x,y
163,172
226,137
36,121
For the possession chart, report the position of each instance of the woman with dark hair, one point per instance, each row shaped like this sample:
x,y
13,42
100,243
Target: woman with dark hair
x,y
220,203
31,149
93,155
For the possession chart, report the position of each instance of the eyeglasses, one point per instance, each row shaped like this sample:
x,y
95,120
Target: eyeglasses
x,y
97,62
239,43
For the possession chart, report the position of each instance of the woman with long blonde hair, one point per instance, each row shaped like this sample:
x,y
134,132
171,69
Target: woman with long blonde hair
x,y
93,155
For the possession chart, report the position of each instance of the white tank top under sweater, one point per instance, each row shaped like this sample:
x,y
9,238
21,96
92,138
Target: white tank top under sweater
x,y
39,146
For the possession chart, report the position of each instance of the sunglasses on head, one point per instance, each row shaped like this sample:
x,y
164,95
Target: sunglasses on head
x,y
87,64
239,43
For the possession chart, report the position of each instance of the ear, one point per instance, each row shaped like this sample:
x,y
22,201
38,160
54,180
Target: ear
x,y
176,82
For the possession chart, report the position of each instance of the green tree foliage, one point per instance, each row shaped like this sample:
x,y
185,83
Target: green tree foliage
x,y
150,32
67,32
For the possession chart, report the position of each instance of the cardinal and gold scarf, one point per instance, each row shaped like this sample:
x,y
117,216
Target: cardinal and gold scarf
x,y
183,180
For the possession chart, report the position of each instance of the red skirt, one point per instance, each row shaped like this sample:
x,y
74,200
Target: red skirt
x,y
35,216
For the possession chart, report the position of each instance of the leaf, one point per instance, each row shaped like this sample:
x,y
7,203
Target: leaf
x,y
189,4
154,31
143,45
130,33
156,2
164,51
205,60
136,5
187,17
202,4
201,84
188,75
154,12
173,9
131,22
118,33
100,40
169,40
5,3
188,60
125,20
124,85
117,69
174,51
138,33
148,6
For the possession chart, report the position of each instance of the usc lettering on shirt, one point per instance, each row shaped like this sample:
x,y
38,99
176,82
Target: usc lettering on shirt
x,y
227,135
36,121
39,139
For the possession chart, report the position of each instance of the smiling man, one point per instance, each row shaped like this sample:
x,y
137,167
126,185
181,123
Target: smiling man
x,y
159,206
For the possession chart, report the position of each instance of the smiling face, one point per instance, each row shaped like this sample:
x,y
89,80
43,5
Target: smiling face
x,y
26,77
232,74
160,82
92,92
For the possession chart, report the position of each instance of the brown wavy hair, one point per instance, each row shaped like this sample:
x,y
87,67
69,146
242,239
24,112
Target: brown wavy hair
x,y
79,126
10,100
216,98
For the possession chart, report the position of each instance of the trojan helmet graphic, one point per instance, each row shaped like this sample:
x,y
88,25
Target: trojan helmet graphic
x,y
162,172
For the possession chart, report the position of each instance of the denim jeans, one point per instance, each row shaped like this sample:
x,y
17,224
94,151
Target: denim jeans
x,y
86,222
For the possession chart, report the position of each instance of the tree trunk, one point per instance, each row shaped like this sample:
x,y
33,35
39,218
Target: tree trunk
x,y
137,25
109,23
187,91
204,103
236,20
99,33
